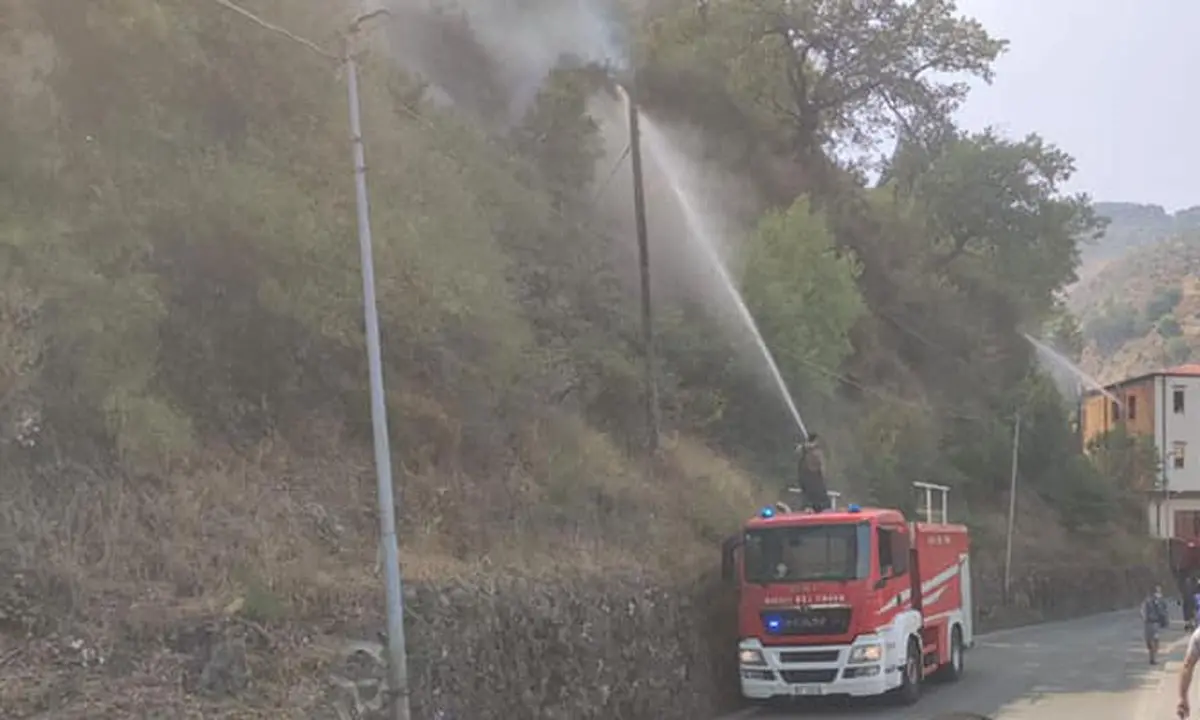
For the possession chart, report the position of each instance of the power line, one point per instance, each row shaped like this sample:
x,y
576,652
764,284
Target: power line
x,y
612,173
277,29
884,394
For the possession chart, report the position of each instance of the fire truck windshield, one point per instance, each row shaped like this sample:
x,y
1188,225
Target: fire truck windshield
x,y
839,551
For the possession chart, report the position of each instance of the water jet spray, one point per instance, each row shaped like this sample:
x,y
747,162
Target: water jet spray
x,y
1057,358
699,234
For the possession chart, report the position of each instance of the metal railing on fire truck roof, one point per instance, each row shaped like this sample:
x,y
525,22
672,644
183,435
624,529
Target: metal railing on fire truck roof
x,y
929,489
834,495
939,514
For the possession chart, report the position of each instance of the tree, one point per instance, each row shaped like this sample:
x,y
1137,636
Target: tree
x,y
1114,325
1127,467
1168,327
858,71
1065,334
1000,202
1087,490
801,290
1164,302
1179,351
829,75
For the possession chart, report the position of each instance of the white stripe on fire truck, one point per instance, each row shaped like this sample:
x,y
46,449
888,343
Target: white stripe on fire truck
x,y
940,579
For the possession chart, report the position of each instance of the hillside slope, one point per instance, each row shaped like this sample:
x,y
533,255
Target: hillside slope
x,y
1140,311
1133,226
185,449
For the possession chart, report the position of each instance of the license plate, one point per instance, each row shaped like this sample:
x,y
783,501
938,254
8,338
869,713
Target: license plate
x,y
807,690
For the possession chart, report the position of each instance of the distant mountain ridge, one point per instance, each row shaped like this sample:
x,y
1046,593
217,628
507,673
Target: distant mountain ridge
x,y
1136,225
1138,297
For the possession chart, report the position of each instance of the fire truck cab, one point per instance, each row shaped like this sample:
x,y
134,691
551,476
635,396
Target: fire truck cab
x,y
856,601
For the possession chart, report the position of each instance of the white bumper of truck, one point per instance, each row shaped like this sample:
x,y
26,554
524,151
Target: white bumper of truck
x,y
859,669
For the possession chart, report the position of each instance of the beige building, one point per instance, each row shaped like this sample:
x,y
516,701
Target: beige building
x,y
1165,406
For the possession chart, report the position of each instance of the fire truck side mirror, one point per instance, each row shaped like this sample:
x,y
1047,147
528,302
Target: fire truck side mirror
x,y
729,551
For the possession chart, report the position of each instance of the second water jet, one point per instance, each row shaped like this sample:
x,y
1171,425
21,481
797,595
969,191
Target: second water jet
x,y
1056,358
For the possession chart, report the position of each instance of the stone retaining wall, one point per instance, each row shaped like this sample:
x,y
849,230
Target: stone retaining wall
x,y
615,648
567,648
575,650
1062,592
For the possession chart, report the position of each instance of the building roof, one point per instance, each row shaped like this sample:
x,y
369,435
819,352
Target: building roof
x,y
1186,370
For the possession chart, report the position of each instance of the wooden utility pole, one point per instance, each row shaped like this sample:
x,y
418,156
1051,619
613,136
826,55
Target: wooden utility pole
x,y
1012,508
639,217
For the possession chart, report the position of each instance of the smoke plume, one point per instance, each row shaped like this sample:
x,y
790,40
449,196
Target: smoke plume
x,y
491,56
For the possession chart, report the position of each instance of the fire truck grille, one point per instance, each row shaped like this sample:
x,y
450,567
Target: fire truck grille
x,y
808,656
821,621
808,676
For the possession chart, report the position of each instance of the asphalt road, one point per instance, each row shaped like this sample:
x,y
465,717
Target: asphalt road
x,y
1090,669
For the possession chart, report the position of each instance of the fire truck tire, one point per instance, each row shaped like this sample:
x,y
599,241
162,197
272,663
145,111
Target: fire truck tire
x,y
953,670
910,683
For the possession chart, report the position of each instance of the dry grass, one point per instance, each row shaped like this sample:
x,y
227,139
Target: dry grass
x,y
283,548
305,532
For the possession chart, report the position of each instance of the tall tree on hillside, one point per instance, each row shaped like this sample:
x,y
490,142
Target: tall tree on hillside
x,y
835,75
998,204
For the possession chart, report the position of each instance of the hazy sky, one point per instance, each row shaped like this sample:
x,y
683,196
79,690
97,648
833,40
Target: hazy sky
x,y
1114,83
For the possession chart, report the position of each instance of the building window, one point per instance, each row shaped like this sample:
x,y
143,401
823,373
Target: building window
x,y
1187,524
1178,401
1116,411
1131,407
1177,453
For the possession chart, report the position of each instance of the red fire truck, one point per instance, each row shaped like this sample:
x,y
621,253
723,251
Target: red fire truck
x,y
854,602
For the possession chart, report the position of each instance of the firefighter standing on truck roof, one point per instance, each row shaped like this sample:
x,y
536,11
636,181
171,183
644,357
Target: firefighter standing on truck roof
x,y
811,474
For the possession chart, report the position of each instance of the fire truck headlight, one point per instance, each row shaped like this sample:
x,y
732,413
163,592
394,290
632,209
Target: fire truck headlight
x,y
866,654
753,657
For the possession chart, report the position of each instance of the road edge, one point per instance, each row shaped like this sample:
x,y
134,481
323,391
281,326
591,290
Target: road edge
x,y
1000,635
1147,701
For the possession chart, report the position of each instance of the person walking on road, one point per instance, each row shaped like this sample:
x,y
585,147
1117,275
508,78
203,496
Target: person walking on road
x,y
1184,709
1191,604
1154,618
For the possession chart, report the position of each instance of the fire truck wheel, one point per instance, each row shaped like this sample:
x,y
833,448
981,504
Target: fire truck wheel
x,y
953,670
910,684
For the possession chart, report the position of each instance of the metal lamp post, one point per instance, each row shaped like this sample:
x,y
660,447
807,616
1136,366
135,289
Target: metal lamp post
x,y
397,657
